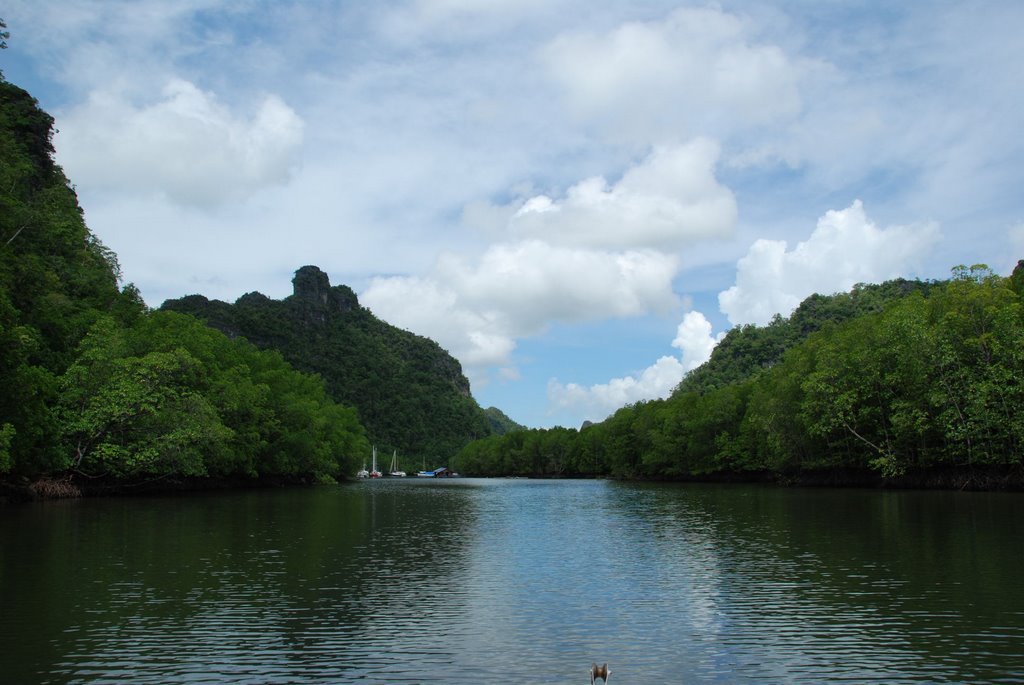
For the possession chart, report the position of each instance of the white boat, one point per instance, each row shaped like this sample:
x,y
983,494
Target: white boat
x,y
424,473
363,473
394,467
374,473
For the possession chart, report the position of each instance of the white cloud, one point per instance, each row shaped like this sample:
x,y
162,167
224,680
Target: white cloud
x,y
601,251
90,44
694,340
531,283
186,146
669,200
845,248
476,311
599,401
698,70
434,309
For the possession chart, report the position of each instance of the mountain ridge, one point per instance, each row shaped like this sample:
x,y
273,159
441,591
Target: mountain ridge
x,y
410,393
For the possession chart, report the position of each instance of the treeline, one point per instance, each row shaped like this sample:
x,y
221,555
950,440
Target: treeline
x,y
895,381
96,388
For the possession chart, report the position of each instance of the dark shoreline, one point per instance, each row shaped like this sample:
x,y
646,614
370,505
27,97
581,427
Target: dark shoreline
x,y
967,479
71,487
988,478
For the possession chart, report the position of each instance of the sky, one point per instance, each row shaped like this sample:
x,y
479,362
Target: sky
x,y
575,198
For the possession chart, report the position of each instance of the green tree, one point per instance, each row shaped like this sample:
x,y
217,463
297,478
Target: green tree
x,y
979,327
172,397
1017,278
56,279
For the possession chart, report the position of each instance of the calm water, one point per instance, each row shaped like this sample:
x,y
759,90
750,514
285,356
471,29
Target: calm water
x,y
474,581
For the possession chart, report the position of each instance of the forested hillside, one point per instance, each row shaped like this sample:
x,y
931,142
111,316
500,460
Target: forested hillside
x,y
98,390
746,350
410,394
56,280
906,383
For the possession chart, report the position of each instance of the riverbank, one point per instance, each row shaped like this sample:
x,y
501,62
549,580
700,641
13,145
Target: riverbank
x,y
72,486
985,478
993,478
965,478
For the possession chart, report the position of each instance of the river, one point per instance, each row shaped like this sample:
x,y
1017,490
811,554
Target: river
x,y
519,581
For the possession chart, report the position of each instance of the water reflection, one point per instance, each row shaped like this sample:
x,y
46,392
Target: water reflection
x,y
857,585
470,581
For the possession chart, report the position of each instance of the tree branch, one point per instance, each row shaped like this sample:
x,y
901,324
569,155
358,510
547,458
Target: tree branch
x,y
15,235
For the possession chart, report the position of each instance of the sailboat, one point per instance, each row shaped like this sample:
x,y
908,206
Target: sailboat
x,y
363,473
374,473
394,467
424,473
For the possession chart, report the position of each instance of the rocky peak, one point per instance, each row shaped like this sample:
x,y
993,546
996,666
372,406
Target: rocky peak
x,y
312,291
311,285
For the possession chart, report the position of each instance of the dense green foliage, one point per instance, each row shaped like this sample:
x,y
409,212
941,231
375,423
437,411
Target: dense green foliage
x,y
56,279
170,395
411,395
95,386
925,377
500,422
747,350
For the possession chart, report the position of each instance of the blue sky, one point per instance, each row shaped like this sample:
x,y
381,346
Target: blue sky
x,y
575,198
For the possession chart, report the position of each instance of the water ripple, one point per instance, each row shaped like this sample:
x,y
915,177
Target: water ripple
x,y
486,581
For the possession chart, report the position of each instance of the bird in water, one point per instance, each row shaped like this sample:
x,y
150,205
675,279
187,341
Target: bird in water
x,y
601,672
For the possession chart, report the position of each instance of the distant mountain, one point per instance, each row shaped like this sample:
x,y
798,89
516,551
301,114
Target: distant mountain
x,y
409,392
500,423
